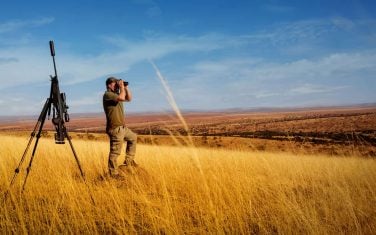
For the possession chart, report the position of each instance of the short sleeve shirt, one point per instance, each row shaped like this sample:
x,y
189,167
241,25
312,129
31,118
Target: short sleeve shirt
x,y
113,109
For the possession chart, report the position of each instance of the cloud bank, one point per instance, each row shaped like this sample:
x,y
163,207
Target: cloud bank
x,y
287,64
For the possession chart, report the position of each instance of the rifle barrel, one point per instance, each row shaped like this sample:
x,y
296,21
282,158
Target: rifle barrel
x,y
52,49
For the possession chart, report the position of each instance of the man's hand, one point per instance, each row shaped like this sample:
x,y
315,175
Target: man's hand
x,y
122,94
120,83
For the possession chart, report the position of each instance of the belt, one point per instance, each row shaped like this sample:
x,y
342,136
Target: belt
x,y
113,127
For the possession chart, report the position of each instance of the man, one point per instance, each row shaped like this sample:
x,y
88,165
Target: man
x,y
118,92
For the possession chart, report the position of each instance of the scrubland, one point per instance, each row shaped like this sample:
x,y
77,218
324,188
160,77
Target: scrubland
x,y
186,190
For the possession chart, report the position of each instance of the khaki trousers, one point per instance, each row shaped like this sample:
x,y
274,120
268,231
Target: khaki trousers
x,y
117,137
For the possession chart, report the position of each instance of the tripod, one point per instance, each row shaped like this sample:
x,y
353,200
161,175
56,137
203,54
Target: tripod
x,y
56,103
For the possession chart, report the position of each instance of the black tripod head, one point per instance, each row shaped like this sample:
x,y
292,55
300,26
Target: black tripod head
x,y
58,101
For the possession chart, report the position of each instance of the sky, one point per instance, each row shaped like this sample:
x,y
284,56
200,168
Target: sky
x,y
214,55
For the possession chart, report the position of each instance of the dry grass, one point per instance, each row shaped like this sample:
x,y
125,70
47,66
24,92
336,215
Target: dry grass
x,y
187,190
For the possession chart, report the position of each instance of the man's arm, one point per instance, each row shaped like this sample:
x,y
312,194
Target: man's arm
x,y
122,94
128,94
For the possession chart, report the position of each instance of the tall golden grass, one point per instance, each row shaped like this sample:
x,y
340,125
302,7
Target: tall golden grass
x,y
186,190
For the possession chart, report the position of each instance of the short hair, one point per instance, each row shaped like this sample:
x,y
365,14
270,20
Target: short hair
x,y
111,80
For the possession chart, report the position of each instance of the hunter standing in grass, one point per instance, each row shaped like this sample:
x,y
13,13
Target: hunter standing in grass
x,y
118,92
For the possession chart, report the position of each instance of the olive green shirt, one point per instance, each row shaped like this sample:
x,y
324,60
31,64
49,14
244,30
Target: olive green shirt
x,y
113,109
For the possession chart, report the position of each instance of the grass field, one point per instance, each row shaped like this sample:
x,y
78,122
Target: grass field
x,y
186,190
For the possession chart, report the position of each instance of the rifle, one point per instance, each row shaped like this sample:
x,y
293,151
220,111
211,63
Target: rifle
x,y
57,103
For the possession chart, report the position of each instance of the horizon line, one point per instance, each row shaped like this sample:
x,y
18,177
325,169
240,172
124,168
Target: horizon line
x,y
236,109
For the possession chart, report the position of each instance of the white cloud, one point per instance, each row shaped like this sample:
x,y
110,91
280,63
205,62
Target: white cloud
x,y
14,25
311,88
130,52
23,66
154,46
343,23
20,105
231,80
341,65
88,100
33,64
247,82
314,33
7,60
35,61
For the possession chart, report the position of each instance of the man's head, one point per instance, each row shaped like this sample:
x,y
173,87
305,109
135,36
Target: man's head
x,y
111,83
114,83
111,80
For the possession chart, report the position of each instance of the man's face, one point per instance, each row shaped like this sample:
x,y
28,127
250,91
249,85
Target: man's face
x,y
112,86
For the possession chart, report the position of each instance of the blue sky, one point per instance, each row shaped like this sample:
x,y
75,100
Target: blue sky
x,y
214,54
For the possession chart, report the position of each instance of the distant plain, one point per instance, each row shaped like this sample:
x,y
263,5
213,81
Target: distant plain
x,y
292,171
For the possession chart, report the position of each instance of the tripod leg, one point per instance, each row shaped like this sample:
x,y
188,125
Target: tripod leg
x,y
29,168
31,161
78,163
42,118
17,170
74,153
39,125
